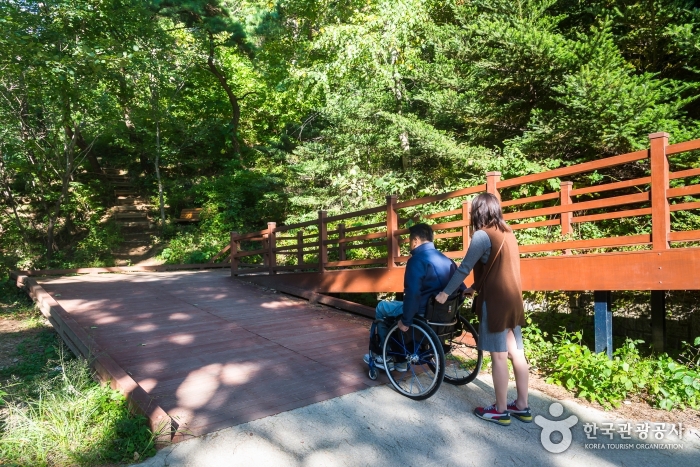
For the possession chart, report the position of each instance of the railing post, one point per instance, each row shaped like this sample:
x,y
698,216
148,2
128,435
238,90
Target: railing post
x,y
322,238
660,229
566,217
660,212
467,218
234,254
300,248
392,225
565,200
271,247
492,179
341,244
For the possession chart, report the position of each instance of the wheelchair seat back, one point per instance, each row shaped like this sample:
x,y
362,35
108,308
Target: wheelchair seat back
x,y
444,317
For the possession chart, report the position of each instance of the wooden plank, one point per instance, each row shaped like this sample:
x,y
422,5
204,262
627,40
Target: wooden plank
x,y
355,262
685,206
683,191
447,235
687,236
284,228
530,199
636,270
683,147
432,199
576,169
595,204
357,238
613,215
449,225
359,227
611,186
454,212
364,212
588,244
684,174
120,269
533,225
221,253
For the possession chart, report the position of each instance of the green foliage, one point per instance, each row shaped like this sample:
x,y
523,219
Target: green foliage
x,y
660,380
68,419
260,111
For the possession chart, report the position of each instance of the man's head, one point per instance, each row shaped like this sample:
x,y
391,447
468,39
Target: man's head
x,y
419,234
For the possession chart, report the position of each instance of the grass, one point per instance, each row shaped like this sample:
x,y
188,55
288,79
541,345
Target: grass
x,y
52,411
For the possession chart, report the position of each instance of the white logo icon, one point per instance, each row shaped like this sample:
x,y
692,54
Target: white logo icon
x,y
551,426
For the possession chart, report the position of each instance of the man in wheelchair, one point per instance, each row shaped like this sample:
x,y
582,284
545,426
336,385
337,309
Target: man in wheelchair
x,y
427,273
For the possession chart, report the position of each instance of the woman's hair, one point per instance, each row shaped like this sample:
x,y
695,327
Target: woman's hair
x,y
486,212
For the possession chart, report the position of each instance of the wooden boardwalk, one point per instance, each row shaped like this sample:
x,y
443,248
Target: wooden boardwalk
x,y
212,351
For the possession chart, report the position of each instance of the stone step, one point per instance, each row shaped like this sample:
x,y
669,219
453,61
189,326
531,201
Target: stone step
x,y
114,171
146,224
126,193
133,207
131,215
135,235
130,200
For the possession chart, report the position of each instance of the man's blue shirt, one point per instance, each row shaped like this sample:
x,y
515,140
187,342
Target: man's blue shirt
x,y
427,273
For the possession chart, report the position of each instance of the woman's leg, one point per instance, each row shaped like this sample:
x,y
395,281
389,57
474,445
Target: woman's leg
x,y
499,372
521,369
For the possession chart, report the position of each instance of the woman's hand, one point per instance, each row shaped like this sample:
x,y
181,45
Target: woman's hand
x,y
468,292
441,297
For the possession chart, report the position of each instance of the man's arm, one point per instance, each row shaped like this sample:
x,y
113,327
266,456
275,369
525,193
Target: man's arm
x,y
412,282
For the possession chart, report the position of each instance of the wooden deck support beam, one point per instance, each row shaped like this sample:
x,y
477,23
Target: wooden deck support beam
x,y
603,322
658,320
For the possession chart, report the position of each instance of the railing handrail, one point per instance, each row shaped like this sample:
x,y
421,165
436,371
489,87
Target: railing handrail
x,y
388,234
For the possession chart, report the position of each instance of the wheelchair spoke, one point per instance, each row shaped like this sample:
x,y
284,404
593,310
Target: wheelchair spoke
x,y
423,351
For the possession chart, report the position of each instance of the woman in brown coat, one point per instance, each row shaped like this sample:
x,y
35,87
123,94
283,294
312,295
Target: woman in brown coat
x,y
493,254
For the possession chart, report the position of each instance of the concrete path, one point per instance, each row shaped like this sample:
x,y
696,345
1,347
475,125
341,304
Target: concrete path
x,y
378,427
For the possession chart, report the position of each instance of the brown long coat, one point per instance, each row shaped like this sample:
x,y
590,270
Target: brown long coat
x,y
501,289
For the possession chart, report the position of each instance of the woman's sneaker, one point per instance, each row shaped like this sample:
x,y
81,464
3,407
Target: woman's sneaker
x,y
523,415
378,361
491,414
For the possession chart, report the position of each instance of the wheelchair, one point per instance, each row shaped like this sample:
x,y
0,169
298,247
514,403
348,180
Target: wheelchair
x,y
440,346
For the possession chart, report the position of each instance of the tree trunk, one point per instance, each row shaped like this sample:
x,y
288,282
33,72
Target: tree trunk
x,y
69,153
82,145
156,109
232,98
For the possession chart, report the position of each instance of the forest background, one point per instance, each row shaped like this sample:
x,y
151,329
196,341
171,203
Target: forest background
x,y
272,110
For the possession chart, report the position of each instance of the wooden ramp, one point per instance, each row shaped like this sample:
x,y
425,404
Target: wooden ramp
x,y
214,352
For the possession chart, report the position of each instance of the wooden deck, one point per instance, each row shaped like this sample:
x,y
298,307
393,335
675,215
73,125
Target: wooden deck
x,y
214,352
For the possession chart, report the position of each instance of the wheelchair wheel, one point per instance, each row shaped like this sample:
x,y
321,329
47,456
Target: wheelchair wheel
x,y
420,348
462,358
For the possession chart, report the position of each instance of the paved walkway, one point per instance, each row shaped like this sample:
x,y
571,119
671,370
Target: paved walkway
x,y
378,427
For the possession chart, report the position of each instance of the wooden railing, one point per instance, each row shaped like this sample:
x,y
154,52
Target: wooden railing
x,y
529,202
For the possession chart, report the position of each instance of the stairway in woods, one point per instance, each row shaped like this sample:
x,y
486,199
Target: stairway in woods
x,y
132,213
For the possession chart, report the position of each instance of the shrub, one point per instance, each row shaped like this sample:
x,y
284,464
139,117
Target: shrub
x,y
660,380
